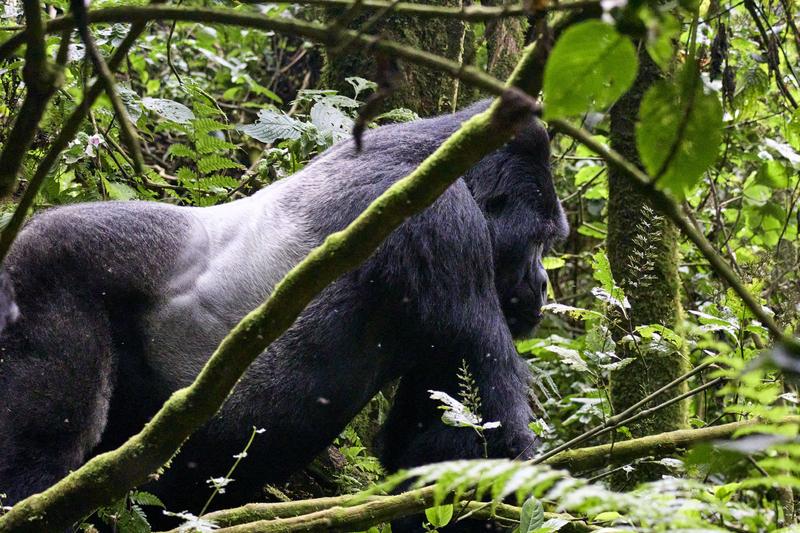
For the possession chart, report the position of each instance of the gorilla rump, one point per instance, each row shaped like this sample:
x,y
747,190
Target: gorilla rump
x,y
120,304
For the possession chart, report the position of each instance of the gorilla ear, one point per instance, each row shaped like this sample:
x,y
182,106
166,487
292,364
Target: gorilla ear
x,y
532,140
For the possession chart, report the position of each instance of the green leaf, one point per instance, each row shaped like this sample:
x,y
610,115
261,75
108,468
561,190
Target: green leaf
x,y
206,124
679,132
360,84
119,191
661,34
590,67
141,497
181,150
552,263
331,121
169,110
532,515
607,516
214,163
186,174
272,126
601,271
440,515
207,144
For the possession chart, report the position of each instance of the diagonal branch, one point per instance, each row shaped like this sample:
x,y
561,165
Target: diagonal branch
x,y
41,80
667,206
68,131
108,476
312,31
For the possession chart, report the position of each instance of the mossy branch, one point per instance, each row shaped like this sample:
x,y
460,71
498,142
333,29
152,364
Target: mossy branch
x,y
353,512
659,445
109,476
312,31
467,13
349,512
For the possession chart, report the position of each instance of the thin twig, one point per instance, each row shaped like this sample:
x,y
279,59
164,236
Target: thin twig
x,y
624,416
68,131
668,207
106,77
41,79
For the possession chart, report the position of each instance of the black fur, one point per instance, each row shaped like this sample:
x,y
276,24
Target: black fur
x,y
79,372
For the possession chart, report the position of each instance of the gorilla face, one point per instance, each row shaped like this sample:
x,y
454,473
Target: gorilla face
x,y
514,189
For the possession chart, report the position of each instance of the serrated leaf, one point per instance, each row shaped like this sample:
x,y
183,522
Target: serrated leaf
x,y
601,271
220,181
207,144
679,133
272,126
440,515
141,497
331,121
181,150
570,357
119,191
205,125
186,174
532,515
169,110
591,65
215,163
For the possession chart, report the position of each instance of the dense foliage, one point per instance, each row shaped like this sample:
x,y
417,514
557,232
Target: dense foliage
x,y
223,111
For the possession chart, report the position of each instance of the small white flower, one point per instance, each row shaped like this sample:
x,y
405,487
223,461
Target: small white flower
x,y
219,483
92,143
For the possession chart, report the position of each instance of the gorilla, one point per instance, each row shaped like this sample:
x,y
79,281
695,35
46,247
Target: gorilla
x,y
121,303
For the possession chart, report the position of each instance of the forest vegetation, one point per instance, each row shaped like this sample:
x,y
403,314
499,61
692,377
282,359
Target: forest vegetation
x,y
665,370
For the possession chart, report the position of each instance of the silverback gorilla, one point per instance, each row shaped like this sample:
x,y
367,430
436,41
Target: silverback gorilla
x,y
121,303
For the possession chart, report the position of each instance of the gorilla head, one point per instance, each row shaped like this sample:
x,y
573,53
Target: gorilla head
x,y
524,217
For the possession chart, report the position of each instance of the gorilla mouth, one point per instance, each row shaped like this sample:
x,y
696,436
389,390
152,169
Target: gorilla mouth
x,y
523,323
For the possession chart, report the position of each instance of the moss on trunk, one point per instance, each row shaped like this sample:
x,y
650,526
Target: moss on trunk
x,y
642,250
505,39
423,90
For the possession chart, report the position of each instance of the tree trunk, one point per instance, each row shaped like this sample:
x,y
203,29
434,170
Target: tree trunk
x,y
505,39
642,250
419,89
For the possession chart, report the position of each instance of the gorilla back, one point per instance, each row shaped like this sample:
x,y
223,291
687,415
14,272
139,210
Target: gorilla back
x,y
120,304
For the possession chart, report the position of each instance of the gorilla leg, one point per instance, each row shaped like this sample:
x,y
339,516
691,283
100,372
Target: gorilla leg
x,y
414,433
56,378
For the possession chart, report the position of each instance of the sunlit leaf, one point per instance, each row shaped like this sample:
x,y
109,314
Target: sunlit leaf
x,y
679,133
591,65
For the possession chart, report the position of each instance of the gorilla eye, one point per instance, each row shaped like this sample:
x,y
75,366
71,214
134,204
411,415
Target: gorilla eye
x,y
496,204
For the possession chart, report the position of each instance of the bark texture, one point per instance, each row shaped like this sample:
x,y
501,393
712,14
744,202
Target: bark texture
x,y
643,252
421,89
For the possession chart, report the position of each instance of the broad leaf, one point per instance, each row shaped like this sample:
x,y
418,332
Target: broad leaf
x,y
440,515
169,109
331,121
590,67
272,126
679,133
532,516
